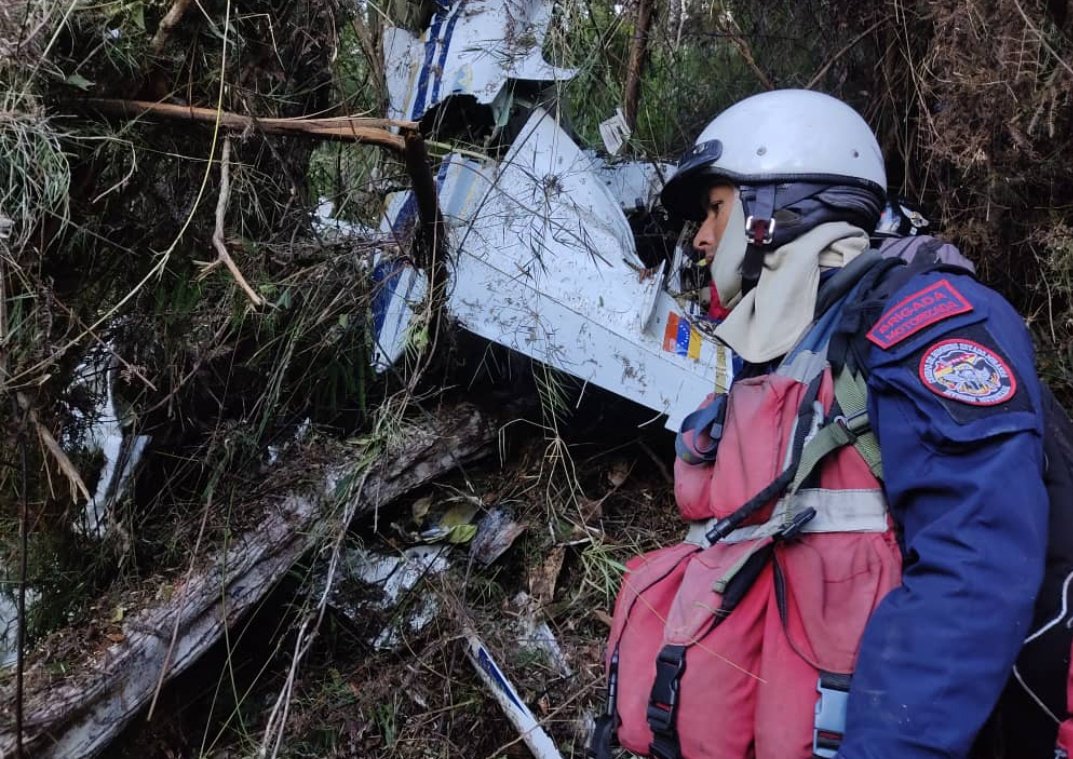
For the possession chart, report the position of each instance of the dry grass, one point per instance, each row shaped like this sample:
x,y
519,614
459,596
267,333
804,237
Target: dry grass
x,y
102,223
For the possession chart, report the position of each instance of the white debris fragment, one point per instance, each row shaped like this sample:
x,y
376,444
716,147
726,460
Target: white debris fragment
x,y
275,451
535,634
538,741
470,48
103,430
615,133
394,576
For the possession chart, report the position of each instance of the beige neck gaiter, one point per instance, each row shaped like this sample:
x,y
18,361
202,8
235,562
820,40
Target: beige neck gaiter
x,y
768,321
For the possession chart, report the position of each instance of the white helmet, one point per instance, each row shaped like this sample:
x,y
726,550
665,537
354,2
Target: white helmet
x,y
779,137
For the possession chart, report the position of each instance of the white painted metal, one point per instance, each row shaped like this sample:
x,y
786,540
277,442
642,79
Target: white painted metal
x,y
633,182
506,695
473,48
546,265
544,261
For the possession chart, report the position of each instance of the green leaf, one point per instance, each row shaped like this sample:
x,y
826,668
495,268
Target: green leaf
x,y
79,81
138,14
462,533
419,338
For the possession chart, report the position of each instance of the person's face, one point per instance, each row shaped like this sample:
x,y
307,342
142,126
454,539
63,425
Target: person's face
x,y
716,206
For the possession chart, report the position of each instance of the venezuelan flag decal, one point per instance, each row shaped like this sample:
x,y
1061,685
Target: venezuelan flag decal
x,y
680,338
670,334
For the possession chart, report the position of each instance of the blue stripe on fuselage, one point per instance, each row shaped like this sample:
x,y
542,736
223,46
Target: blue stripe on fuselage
x,y
426,67
444,48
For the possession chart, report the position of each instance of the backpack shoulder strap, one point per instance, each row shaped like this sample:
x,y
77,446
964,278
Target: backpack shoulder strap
x,y
851,427
848,350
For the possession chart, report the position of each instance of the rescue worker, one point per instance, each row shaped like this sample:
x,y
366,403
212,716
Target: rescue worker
x,y
866,600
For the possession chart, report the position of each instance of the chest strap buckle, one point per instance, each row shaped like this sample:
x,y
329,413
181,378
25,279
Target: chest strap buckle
x,y
830,723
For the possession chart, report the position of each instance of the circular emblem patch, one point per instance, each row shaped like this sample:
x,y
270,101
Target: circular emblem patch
x,y
965,371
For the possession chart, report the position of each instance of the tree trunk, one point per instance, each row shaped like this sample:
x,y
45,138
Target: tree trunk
x,y
635,66
78,714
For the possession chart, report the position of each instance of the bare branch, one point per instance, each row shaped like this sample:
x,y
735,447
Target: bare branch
x,y
347,128
170,21
222,256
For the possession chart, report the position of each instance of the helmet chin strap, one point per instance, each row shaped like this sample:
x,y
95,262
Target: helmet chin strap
x,y
802,206
759,230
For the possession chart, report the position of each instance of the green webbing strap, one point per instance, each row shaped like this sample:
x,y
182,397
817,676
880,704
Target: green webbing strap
x,y
853,428
720,585
851,392
827,440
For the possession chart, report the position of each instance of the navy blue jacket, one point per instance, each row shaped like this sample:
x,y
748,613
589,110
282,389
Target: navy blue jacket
x,y
955,402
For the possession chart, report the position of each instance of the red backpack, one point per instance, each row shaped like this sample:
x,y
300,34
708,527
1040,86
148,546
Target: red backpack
x,y
1040,693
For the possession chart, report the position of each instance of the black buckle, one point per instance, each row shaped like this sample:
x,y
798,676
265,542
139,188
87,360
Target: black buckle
x,y
790,531
603,734
830,721
663,703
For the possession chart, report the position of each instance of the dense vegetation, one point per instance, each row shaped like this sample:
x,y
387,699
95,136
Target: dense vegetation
x,y
106,243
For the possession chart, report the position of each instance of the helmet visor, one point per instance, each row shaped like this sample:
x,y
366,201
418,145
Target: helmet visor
x,y
684,192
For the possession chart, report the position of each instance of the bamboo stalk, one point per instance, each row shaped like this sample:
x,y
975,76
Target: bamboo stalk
x,y
363,129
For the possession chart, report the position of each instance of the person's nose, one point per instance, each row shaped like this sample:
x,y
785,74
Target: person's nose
x,y
707,236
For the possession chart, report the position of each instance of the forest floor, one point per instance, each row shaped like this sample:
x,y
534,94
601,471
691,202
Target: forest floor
x,y
388,676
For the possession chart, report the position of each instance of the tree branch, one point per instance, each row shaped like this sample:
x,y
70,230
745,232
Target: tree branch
x,y
346,128
222,256
170,21
635,67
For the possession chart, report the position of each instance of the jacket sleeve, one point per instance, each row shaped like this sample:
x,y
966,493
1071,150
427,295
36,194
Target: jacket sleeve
x,y
956,408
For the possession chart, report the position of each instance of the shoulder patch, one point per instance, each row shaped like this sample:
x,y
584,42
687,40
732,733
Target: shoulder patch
x,y
939,300
965,371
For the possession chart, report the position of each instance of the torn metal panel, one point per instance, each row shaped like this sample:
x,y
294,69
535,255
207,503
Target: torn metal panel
x,y
472,47
544,258
634,184
506,695
398,292
394,577
546,264
102,429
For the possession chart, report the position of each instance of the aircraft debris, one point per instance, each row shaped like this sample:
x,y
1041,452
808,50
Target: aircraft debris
x,y
543,237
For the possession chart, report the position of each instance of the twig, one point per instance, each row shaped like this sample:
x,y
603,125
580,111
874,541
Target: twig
x,y
1042,40
182,608
74,479
170,21
134,371
348,128
660,465
20,642
222,256
733,31
834,58
272,737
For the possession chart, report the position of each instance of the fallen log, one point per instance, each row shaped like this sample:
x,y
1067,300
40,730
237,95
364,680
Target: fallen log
x,y
78,714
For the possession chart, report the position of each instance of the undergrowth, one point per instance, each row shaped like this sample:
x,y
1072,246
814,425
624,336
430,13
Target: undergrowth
x,y
106,245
